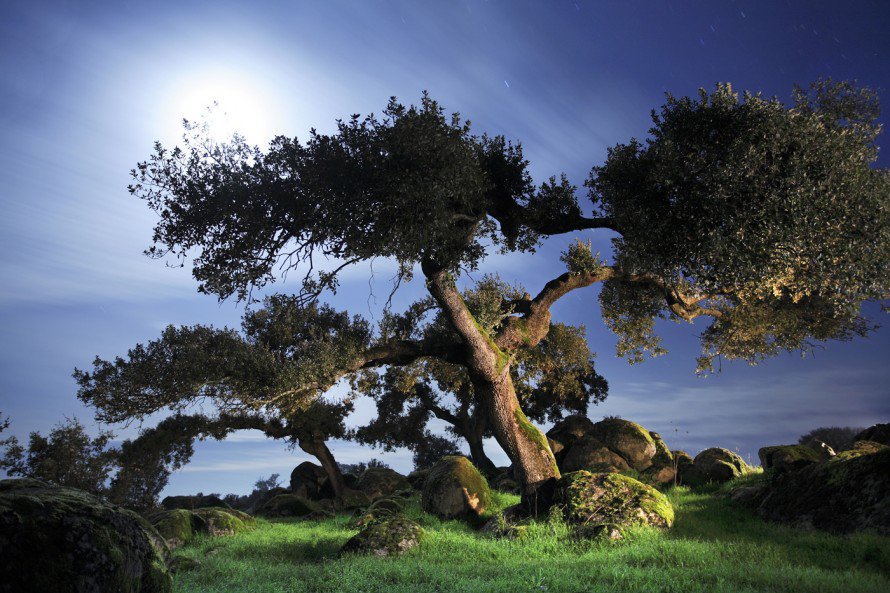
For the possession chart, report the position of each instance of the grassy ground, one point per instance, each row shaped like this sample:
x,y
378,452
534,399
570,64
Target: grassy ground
x,y
714,547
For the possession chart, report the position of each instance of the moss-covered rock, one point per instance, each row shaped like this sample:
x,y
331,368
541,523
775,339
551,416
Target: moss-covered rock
x,y
591,454
455,488
197,501
587,498
628,439
859,449
65,540
784,458
381,481
391,537
681,457
417,478
714,465
307,479
180,526
567,431
351,499
219,521
847,493
879,433
287,505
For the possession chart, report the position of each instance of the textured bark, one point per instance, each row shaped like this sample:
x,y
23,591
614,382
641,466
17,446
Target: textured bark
x,y
474,433
320,451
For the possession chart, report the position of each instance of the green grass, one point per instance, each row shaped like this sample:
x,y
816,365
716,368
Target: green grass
x,y
713,547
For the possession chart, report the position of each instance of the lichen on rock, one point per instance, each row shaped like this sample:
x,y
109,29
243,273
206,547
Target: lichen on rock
x,y
389,537
381,481
606,498
455,488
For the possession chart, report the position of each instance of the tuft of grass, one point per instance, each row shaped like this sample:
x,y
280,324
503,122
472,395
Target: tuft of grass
x,y
715,546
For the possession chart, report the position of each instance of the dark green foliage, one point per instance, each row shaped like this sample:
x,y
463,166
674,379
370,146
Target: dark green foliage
x,y
431,449
837,437
65,540
68,456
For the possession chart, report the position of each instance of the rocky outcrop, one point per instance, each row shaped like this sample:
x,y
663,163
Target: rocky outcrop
x,y
565,432
455,488
390,537
307,480
381,481
287,505
591,499
198,501
67,541
714,465
180,526
879,433
783,458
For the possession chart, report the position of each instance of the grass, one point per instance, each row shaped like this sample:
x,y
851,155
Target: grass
x,y
714,546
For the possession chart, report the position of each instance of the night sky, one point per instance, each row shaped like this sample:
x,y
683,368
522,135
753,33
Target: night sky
x,y
86,87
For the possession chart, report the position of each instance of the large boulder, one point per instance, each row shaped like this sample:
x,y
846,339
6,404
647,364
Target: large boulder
x,y
66,541
610,499
628,439
197,501
381,481
307,480
591,454
663,470
351,499
847,493
455,488
782,458
714,465
390,537
180,526
879,433
567,431
287,505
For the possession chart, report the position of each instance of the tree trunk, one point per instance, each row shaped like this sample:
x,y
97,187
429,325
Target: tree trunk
x,y
526,446
319,450
473,434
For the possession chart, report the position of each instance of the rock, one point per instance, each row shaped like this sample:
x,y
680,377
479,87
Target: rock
x,y
380,481
455,488
628,439
351,499
192,502
507,484
591,454
879,433
391,537
567,431
417,478
659,475
67,541
601,498
681,457
307,479
555,446
714,465
503,527
821,448
783,458
184,564
287,505
845,494
180,526
604,532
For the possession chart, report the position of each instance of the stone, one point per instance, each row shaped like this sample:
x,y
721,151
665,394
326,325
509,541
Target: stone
x,y
351,499
180,526
591,499
879,433
681,457
287,505
381,481
390,537
184,564
417,478
455,488
628,439
567,431
714,465
307,479
591,454
782,458
67,541
193,502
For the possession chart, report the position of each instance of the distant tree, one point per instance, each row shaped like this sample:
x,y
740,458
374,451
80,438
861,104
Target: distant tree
x,y
837,437
265,484
68,456
770,220
4,423
431,449
357,469
260,488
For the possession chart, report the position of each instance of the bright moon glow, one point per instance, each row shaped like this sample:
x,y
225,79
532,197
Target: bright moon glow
x,y
227,101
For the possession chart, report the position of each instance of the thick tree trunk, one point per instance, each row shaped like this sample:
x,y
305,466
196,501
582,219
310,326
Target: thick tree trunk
x,y
320,451
526,446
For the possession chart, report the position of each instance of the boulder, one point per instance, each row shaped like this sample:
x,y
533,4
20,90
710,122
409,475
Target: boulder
x,y
307,479
845,494
821,448
180,526
879,433
455,488
380,481
351,499
662,471
591,454
587,498
417,478
714,465
628,439
389,537
67,541
197,501
287,505
567,431
783,458
681,457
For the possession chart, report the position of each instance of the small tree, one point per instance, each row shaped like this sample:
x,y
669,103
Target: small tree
x,y
68,456
431,449
770,220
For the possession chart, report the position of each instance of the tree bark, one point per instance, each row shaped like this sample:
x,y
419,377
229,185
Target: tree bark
x,y
319,450
473,435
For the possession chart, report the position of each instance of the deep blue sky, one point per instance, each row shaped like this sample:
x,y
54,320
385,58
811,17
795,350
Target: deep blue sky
x,y
86,87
